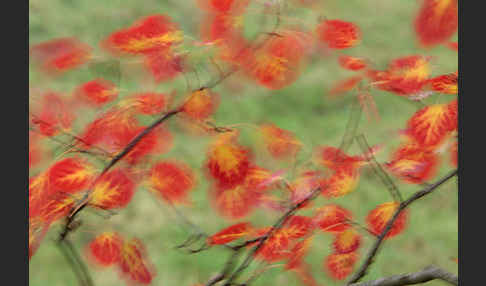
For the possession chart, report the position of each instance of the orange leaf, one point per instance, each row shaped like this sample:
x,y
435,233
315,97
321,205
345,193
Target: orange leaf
x,y
340,183
113,190
149,34
430,125
352,63
345,85
378,218
436,21
200,104
134,262
332,218
172,181
234,203
60,55
227,162
278,63
413,163
340,265
298,252
338,34
106,247
97,92
298,226
445,83
70,175
280,143
230,233
347,241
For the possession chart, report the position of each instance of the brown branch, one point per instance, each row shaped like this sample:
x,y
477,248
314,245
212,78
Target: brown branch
x,y
374,250
281,221
427,274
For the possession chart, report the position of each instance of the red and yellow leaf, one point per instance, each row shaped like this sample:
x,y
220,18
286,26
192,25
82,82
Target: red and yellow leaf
x,y
234,203
224,6
200,104
60,55
436,21
113,190
430,125
97,92
278,63
227,162
347,241
106,248
71,175
340,183
279,142
149,34
134,262
379,217
332,218
338,34
230,233
298,252
149,103
298,226
413,163
163,65
340,265
445,83
172,181
352,63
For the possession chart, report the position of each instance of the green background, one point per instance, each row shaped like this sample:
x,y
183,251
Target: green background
x,y
304,108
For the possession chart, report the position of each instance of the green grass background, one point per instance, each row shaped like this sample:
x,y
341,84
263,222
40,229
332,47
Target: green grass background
x,y
303,107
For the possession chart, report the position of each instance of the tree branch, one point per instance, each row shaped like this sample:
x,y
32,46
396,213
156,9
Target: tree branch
x,y
374,250
427,274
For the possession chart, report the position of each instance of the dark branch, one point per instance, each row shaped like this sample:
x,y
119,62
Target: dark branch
x,y
374,250
427,274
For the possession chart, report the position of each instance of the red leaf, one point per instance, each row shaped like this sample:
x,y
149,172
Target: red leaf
x,y
378,218
230,233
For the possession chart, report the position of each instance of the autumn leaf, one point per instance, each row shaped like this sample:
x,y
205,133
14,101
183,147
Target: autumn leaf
x,y
436,21
200,104
279,142
71,175
345,85
297,253
431,124
378,218
227,162
340,183
97,92
134,263
413,163
105,248
340,265
230,233
332,218
352,63
347,241
446,84
149,34
172,181
113,190
339,34
60,55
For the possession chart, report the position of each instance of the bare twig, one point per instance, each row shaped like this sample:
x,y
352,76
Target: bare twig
x,y
427,274
378,169
374,250
77,265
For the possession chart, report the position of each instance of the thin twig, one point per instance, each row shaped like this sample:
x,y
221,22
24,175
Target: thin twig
x,y
374,249
427,274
